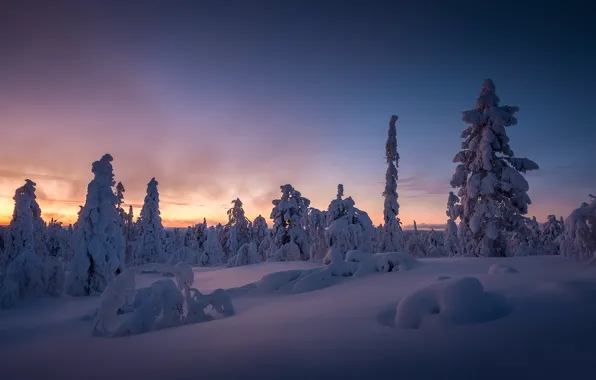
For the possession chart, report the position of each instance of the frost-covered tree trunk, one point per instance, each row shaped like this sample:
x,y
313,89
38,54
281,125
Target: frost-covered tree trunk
x,y
348,228
391,239
99,243
150,246
579,239
289,241
492,190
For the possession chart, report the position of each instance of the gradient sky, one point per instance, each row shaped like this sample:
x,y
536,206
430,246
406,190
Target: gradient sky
x,y
221,99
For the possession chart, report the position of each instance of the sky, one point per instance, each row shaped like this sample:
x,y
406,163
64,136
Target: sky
x,y
225,99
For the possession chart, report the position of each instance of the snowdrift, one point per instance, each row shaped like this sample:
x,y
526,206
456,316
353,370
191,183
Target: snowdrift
x,y
301,281
451,302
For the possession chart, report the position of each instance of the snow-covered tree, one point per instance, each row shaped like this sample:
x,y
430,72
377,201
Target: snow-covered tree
x,y
247,254
150,245
242,226
232,242
121,212
290,241
391,239
190,239
259,230
451,242
579,239
213,253
550,236
25,270
316,232
492,190
348,228
415,245
434,244
99,243
201,234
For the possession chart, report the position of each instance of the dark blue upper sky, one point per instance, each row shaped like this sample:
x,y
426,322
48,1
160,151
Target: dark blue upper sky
x,y
222,99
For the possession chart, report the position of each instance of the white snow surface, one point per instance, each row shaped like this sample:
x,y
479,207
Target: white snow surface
x,y
343,331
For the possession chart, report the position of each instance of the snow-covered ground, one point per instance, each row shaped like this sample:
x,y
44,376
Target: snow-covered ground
x,y
538,324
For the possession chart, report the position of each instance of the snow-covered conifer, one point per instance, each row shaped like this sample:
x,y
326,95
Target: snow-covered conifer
x,y
242,233
415,245
201,234
290,241
316,231
24,274
391,239
550,236
247,254
213,253
150,245
492,190
434,244
451,242
348,228
259,230
579,239
99,243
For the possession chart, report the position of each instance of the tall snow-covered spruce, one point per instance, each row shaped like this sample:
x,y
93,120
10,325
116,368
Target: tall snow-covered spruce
x,y
492,190
98,240
239,228
150,245
24,274
391,239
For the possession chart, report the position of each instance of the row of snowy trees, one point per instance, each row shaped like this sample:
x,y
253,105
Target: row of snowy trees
x,y
490,203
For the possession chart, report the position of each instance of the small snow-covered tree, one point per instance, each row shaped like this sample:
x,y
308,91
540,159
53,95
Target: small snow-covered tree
x,y
238,228
121,212
150,246
391,239
434,244
348,228
290,241
99,243
247,254
415,245
316,232
259,230
201,234
451,242
492,190
190,239
213,253
550,236
579,239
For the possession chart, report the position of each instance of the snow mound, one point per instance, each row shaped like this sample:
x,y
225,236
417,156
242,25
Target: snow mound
x,y
357,256
337,271
459,301
386,262
333,255
163,305
501,269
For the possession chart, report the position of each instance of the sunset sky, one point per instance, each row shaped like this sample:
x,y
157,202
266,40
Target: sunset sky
x,y
220,99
